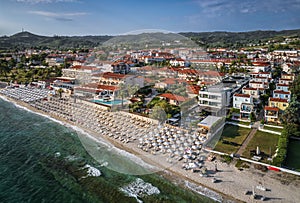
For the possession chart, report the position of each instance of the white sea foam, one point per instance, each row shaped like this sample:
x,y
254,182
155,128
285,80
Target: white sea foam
x,y
201,190
139,188
106,143
4,98
204,191
92,171
71,158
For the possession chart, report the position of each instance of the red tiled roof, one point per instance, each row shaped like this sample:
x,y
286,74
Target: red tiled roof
x,y
249,88
286,79
97,86
179,59
278,100
194,89
283,85
281,92
188,71
173,97
112,75
242,95
269,108
261,63
287,75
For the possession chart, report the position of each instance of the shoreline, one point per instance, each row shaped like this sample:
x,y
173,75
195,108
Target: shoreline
x,y
182,178
169,175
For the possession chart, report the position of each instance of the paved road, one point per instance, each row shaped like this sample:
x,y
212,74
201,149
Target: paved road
x,y
249,138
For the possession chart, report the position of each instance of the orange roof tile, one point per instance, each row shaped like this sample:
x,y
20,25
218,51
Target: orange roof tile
x,y
173,97
278,100
269,108
242,95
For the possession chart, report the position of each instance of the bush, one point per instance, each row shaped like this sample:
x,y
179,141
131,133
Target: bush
x,y
282,147
241,164
226,158
261,167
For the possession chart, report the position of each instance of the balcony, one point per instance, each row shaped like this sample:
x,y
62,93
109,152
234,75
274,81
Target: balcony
x,y
271,114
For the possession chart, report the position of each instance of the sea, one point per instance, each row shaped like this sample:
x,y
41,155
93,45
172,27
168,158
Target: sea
x,y
42,160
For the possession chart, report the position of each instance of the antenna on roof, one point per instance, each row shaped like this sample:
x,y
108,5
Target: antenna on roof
x,y
22,29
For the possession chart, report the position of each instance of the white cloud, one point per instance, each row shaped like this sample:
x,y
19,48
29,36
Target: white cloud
x,y
214,7
53,14
58,16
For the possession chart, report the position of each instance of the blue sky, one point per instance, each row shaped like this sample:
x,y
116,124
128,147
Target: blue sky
x,y
112,17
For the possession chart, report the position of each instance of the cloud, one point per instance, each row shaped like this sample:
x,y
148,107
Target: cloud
x,y
58,16
215,7
44,1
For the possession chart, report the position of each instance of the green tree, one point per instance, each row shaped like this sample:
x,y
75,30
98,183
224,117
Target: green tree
x,y
60,91
159,114
292,113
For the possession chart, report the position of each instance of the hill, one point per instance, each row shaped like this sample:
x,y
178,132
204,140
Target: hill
x,y
207,39
26,40
238,39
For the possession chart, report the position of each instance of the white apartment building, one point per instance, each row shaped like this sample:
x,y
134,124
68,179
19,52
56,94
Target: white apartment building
x,y
239,99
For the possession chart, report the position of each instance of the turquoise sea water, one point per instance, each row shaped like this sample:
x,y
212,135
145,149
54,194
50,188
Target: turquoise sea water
x,y
32,170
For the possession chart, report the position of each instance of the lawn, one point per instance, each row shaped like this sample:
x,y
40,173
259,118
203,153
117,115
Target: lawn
x,y
231,139
273,129
265,142
293,155
244,122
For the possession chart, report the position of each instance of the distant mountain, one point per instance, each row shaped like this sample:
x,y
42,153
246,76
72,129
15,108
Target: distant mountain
x,y
27,40
144,40
229,39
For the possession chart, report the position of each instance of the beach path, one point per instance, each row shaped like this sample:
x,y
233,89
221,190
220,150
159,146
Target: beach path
x,y
246,141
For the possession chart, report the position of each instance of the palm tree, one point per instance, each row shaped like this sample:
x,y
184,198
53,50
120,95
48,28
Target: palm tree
x,y
60,91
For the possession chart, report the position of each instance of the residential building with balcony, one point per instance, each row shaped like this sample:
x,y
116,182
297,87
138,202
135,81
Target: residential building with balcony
x,y
245,110
271,114
239,99
254,84
214,99
115,79
288,76
251,91
173,98
282,104
282,87
282,94
82,74
285,81
93,90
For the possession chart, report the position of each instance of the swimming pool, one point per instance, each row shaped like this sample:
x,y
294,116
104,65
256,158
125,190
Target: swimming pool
x,y
110,103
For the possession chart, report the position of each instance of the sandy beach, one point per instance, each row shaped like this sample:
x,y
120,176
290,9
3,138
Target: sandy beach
x,y
230,182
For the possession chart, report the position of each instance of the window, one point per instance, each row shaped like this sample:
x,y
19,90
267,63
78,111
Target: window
x,y
284,105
